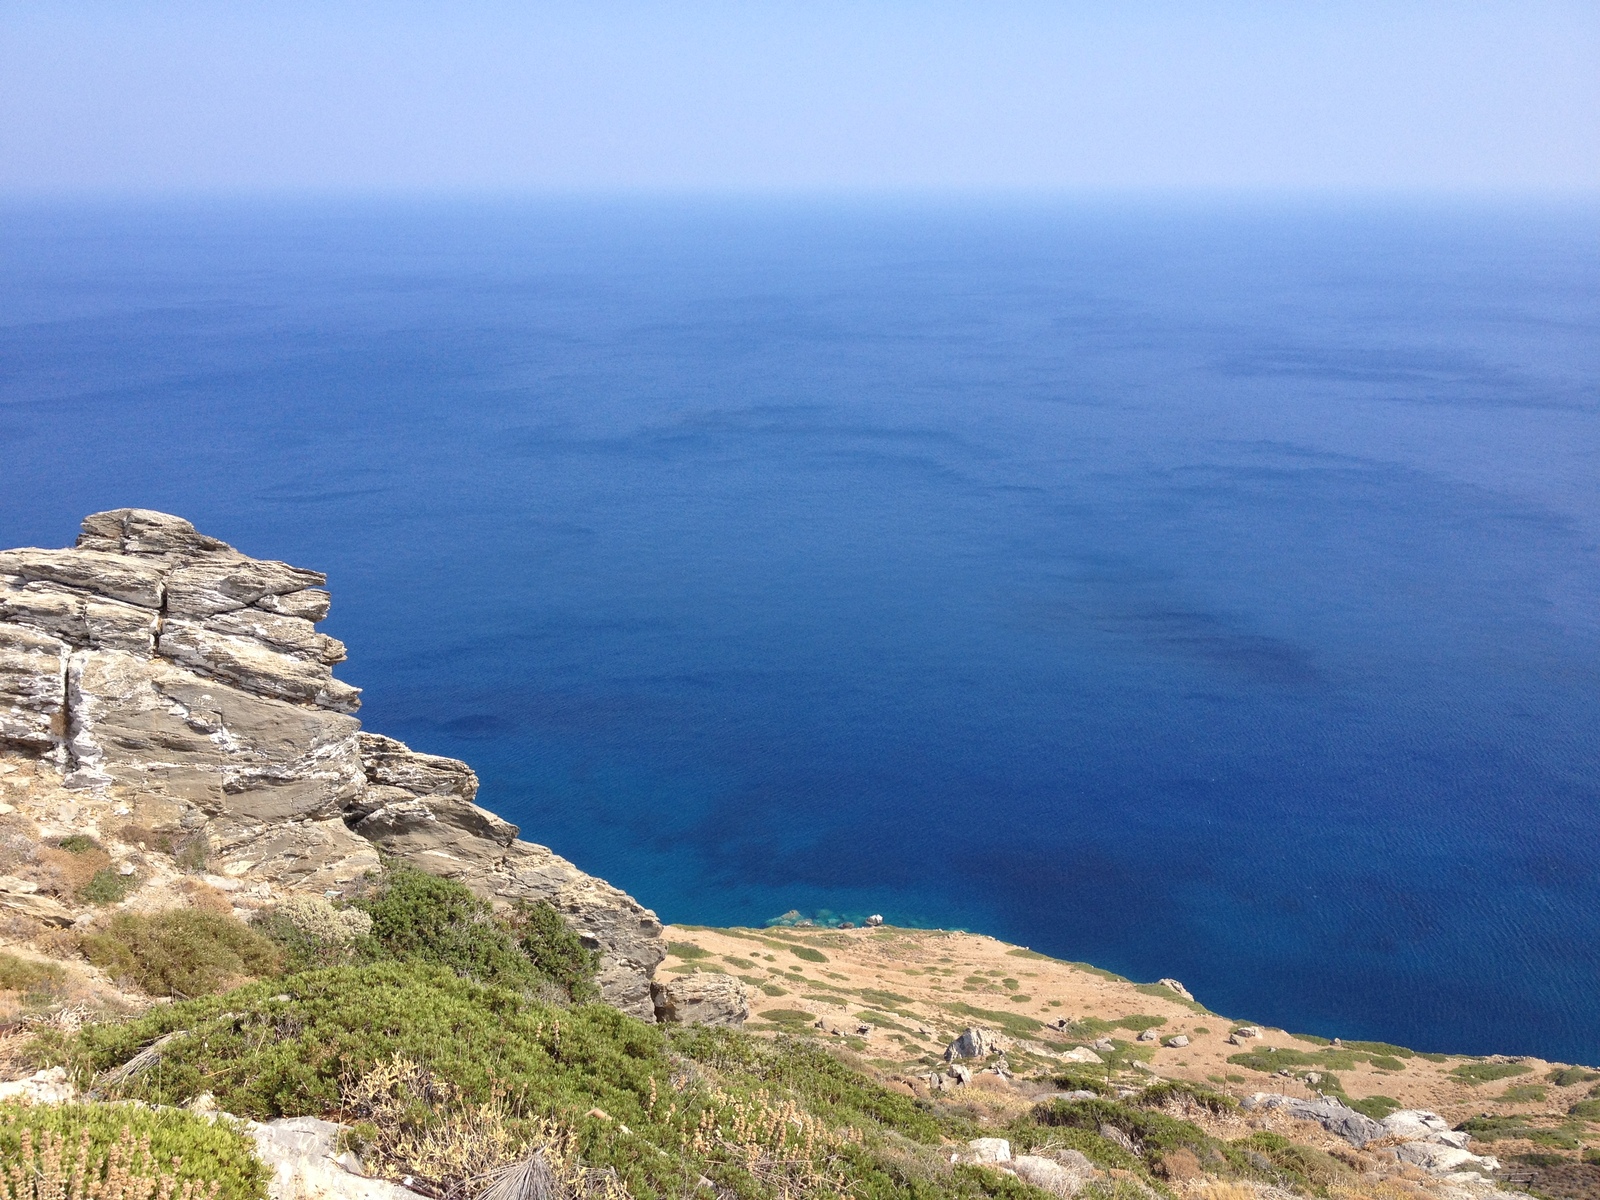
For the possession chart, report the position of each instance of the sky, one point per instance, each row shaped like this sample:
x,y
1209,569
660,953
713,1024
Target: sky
x,y
357,96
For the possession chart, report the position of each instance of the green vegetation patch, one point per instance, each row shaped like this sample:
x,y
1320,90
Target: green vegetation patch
x,y
1565,1136
78,843
107,886
1166,993
679,1103
807,954
1376,1107
1488,1072
688,950
206,1150
1569,1076
1013,1023
181,952
1522,1093
1588,1110
1381,1048
36,980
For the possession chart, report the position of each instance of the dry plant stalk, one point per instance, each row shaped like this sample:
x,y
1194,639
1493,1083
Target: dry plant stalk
x,y
426,1132
125,1171
775,1141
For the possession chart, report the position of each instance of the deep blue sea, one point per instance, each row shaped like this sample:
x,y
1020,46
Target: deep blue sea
x,y
1195,588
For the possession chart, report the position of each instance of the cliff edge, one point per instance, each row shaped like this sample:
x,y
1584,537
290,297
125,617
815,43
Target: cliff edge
x,y
172,698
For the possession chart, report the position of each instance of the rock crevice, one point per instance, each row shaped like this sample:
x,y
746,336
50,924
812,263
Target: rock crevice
x,y
184,683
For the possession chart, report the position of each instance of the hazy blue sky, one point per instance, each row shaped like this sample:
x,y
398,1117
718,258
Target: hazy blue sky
x,y
798,94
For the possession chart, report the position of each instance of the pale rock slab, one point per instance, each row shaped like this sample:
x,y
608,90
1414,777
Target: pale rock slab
x,y
704,998
33,672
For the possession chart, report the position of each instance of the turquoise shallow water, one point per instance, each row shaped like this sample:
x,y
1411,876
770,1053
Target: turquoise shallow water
x,y
1199,591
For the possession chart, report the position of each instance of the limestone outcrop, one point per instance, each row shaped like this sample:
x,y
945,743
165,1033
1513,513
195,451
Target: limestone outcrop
x,y
703,998
156,680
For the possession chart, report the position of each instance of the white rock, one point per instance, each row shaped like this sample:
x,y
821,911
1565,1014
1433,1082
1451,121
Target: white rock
x,y
49,1086
874,919
1147,1035
975,1042
1179,1041
1413,1124
1065,1175
303,1155
1104,1045
1082,1054
1441,1160
989,1150
1175,986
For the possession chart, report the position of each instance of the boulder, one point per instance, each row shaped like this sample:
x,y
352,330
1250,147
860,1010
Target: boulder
x,y
703,998
1178,1041
306,1164
1174,985
1082,1054
1065,1174
1439,1159
988,1150
976,1043
49,1086
1336,1118
1148,1035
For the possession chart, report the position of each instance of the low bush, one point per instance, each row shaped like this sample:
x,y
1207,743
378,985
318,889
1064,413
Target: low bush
x,y
181,952
207,1153
1376,1107
312,932
107,886
1523,1093
1566,1136
1568,1076
555,950
34,979
1488,1072
660,1108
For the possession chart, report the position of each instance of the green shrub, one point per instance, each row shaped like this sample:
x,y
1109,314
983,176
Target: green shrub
x,y
78,843
206,1150
426,918
1488,1072
688,950
1015,1024
107,886
1588,1110
265,1057
181,952
808,954
1523,1093
1387,1048
555,950
1567,1076
1493,1128
1376,1107
33,978
1182,1090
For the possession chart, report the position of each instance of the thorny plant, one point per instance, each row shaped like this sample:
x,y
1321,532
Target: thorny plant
x,y
416,1127
125,1171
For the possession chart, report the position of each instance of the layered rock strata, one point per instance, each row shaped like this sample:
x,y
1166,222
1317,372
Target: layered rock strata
x,y
179,687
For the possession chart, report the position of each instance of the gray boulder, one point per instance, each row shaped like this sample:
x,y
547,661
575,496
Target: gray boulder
x,y
703,998
976,1043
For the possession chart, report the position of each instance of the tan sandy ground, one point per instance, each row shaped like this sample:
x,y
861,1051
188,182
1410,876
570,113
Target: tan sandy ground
x,y
915,990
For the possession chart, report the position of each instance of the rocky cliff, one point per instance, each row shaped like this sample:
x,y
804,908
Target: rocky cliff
x,y
173,697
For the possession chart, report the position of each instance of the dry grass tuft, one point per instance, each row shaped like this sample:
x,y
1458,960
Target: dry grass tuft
x,y
125,1171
